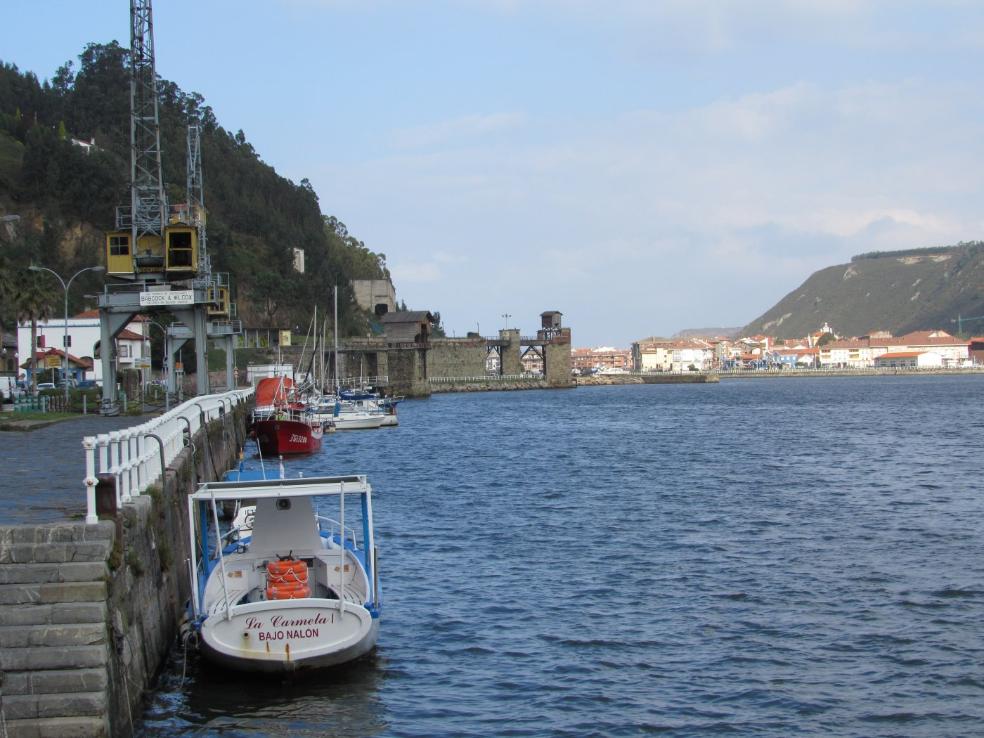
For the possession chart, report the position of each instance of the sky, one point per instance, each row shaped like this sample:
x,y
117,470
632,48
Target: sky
x,y
643,166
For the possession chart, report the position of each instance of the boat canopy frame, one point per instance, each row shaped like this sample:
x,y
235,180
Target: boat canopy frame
x,y
338,486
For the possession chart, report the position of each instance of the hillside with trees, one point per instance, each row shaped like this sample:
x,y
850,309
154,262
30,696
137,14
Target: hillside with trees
x,y
897,291
66,195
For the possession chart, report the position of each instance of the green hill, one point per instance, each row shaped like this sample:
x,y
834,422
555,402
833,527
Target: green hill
x,y
66,197
897,291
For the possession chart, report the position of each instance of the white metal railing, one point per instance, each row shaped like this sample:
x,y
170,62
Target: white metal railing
x,y
356,382
134,456
332,528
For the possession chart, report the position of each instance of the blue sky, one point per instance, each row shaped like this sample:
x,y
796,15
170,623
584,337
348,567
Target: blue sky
x,y
642,166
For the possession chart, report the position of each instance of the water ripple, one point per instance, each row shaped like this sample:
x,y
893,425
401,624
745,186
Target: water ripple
x,y
753,558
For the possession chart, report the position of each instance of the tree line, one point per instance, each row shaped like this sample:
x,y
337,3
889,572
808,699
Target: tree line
x,y
67,195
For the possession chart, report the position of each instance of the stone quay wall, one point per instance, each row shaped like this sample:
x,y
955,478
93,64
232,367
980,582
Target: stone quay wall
x,y
656,378
491,384
88,612
457,357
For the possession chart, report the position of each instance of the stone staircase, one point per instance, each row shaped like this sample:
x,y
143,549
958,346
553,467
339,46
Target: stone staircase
x,y
54,633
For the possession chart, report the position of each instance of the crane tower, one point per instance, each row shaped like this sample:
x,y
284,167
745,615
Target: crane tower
x,y
156,254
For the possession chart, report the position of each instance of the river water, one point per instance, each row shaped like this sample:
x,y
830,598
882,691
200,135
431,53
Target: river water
x,y
758,557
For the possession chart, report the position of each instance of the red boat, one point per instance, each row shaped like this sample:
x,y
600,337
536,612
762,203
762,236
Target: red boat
x,y
279,424
285,433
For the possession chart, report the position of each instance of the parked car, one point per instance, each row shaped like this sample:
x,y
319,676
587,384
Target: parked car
x,y
87,384
45,386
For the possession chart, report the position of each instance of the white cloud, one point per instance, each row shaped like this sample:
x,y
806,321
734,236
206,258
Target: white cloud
x,y
661,220
426,272
464,129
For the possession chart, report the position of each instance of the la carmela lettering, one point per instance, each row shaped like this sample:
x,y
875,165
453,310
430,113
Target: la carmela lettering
x,y
281,628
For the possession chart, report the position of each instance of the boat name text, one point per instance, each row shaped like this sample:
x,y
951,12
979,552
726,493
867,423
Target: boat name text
x,y
281,628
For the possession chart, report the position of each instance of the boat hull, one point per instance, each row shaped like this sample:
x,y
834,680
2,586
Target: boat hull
x,y
354,421
287,437
289,635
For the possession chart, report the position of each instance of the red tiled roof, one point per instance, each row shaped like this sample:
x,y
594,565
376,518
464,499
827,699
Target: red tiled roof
x,y
901,355
845,343
923,338
127,335
95,314
86,362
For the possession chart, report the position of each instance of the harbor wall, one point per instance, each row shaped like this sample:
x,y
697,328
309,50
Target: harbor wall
x,y
489,384
656,378
557,361
407,370
457,357
88,612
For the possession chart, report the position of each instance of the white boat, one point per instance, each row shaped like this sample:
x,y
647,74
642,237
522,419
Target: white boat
x,y
286,588
347,415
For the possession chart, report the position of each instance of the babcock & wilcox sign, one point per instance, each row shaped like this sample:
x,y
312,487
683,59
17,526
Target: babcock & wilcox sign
x,y
174,297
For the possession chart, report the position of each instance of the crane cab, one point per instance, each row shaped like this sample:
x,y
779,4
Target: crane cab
x,y
175,256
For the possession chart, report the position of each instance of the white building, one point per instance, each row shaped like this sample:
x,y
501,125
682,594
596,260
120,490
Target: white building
x,y
83,333
910,360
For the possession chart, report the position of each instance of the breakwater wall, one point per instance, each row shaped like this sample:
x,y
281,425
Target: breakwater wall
x,y
612,379
489,384
88,611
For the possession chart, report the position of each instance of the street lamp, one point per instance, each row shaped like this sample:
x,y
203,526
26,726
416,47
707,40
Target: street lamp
x,y
164,366
65,285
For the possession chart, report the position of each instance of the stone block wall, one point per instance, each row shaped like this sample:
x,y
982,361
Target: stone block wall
x,y
558,360
54,644
457,357
408,372
511,363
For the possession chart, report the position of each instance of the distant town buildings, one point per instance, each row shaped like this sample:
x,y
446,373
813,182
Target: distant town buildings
x,y
822,349
603,358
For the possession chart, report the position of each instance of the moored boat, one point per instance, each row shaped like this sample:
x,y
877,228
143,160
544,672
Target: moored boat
x,y
288,432
280,424
287,588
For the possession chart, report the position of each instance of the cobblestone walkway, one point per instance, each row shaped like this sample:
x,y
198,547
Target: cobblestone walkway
x,y
42,470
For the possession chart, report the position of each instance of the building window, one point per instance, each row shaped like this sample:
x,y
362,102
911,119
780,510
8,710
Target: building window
x,y
124,351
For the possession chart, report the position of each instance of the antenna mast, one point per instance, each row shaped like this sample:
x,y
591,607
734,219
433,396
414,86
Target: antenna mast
x,y
196,198
148,203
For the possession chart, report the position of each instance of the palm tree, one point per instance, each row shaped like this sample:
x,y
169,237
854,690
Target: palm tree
x,y
32,303
8,288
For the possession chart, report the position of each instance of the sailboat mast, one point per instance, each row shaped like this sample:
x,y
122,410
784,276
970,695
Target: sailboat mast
x,y
338,384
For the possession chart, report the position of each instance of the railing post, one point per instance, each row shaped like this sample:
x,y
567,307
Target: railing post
x,y
89,444
124,466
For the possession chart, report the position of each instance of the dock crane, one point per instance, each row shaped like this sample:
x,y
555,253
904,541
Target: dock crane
x,y
156,253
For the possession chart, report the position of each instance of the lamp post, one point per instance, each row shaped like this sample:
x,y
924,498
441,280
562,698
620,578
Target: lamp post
x,y
164,366
65,285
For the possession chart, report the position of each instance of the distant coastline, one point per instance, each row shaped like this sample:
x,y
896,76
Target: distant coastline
x,y
715,376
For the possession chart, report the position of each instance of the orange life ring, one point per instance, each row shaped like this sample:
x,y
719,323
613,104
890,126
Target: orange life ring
x,y
289,570
293,591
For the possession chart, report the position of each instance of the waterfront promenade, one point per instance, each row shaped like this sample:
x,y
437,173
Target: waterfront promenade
x,y
44,469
